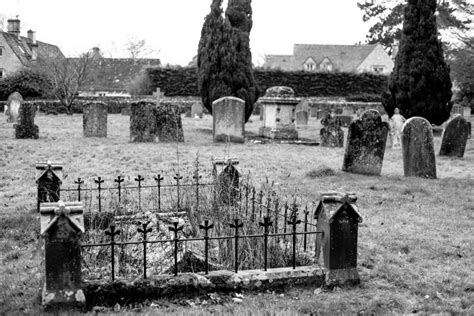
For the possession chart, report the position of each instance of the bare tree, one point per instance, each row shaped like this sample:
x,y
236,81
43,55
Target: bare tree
x,y
138,48
67,75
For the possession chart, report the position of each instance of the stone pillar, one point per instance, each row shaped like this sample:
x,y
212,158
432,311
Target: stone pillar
x,y
338,219
228,116
94,119
48,182
142,122
26,127
62,225
418,149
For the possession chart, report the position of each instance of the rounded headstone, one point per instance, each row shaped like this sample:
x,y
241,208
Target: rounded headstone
x,y
455,137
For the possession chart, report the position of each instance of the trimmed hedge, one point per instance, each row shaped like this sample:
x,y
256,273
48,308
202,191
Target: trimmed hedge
x,y
183,82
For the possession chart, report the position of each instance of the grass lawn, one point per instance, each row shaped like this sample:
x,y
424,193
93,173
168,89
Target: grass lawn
x,y
416,244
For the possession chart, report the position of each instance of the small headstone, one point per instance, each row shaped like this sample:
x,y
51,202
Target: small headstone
x,y
331,134
197,110
366,144
455,138
13,107
26,127
396,124
418,149
228,184
94,119
302,118
228,115
169,127
142,122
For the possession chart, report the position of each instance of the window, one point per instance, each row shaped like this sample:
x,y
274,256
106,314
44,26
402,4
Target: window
x,y
326,65
378,69
309,65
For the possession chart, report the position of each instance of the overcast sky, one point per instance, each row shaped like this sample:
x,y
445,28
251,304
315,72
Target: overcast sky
x,y
173,27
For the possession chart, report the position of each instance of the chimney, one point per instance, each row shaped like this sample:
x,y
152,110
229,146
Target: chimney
x,y
33,44
14,27
32,36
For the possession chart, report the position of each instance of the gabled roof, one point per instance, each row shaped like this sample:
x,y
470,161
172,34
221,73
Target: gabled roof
x,y
344,58
22,47
113,74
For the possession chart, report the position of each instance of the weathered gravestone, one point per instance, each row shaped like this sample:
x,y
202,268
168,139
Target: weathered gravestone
x,y
331,134
169,127
228,116
26,128
302,118
142,122
13,107
366,144
62,225
197,110
418,149
455,138
227,182
94,119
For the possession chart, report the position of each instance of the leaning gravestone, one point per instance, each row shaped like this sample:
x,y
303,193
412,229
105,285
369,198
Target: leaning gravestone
x,y
197,110
455,138
331,134
418,150
302,118
228,115
13,107
94,119
366,141
142,122
168,123
26,128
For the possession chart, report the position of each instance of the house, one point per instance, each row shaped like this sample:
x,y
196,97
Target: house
x,y
111,76
333,58
18,52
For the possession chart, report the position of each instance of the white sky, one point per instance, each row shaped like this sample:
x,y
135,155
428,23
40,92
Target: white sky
x,y
173,27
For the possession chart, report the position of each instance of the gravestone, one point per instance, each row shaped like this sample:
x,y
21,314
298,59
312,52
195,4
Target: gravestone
x,y
302,118
366,141
197,110
344,119
169,127
142,122
26,128
331,134
62,225
455,138
94,119
418,149
303,106
228,116
227,184
348,110
12,111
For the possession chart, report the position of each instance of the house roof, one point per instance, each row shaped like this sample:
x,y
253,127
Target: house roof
x,y
113,74
22,47
345,58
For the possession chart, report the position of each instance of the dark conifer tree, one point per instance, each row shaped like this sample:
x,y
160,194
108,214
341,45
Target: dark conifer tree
x,y
224,63
420,84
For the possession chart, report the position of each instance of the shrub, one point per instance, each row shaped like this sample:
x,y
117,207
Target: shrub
x,y
28,83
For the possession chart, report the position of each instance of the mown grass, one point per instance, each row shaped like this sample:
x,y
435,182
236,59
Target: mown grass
x,y
415,244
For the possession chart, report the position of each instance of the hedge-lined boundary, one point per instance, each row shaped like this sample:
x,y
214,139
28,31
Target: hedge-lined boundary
x,y
183,82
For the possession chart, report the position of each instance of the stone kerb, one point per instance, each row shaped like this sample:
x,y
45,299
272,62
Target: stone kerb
x,y
366,142
228,116
94,119
455,138
418,149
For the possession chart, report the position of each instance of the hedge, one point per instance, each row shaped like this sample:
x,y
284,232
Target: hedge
x,y
183,82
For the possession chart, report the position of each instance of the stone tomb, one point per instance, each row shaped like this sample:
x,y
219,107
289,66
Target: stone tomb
x,y
12,109
197,111
279,105
26,127
302,118
418,149
94,119
331,134
228,117
142,122
455,138
366,141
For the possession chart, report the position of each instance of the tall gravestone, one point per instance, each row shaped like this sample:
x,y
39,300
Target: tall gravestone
x,y
169,127
14,102
142,122
26,128
94,119
418,149
366,142
455,138
228,115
